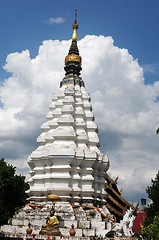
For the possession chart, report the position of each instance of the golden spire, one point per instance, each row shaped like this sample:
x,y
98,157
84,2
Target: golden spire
x,y
75,26
73,60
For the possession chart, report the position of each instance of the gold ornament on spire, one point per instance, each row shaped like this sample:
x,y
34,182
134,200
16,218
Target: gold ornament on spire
x,y
75,26
73,55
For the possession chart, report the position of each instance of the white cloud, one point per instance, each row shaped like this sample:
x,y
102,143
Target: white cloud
x,y
152,69
125,109
52,20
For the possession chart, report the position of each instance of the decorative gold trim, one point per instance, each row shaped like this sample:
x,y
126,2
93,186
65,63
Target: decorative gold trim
x,y
74,36
73,58
75,26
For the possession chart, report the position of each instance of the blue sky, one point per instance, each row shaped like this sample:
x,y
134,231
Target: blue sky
x,y
126,109
132,24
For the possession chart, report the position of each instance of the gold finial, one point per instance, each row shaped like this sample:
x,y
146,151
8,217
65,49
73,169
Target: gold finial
x,y
75,26
73,54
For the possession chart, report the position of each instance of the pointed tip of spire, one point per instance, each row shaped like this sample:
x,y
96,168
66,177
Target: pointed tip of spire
x,y
73,60
75,26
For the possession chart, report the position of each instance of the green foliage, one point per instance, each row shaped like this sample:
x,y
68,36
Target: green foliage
x,y
12,191
151,223
153,194
92,213
148,221
151,231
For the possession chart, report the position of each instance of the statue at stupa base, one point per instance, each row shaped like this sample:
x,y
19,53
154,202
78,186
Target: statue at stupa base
x,y
51,228
124,228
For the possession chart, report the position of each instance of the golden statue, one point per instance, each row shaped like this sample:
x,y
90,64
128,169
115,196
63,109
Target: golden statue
x,y
51,228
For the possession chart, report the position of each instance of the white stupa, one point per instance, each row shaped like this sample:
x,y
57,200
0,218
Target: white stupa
x,y
69,162
68,159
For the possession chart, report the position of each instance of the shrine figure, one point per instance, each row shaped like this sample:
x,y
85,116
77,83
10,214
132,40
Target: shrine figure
x,y
51,227
124,228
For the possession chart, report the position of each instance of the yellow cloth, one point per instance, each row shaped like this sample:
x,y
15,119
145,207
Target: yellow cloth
x,y
52,221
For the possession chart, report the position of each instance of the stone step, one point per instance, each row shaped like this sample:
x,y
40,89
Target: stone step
x,y
84,223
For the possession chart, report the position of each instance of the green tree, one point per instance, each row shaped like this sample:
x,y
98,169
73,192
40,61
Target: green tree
x,y
151,231
12,191
153,193
151,224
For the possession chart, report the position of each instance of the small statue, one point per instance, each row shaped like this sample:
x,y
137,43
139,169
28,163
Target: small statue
x,y
51,228
29,230
125,226
72,231
132,219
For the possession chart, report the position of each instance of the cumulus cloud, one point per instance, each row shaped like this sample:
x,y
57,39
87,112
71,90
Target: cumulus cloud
x,y
52,20
152,68
125,109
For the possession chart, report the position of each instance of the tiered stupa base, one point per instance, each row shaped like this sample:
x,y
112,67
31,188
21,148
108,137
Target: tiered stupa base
x,y
87,221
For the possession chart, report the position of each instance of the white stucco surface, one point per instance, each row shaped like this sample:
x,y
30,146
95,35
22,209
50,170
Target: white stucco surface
x,y
68,159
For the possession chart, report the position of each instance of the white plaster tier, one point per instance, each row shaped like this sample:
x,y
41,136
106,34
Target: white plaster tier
x,y
68,159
